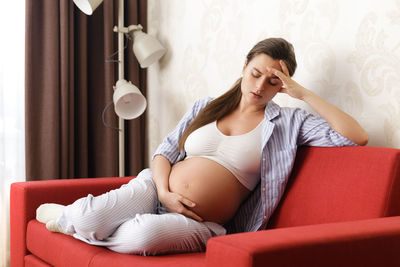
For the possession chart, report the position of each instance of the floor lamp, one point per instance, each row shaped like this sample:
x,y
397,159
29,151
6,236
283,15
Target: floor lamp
x,y
129,103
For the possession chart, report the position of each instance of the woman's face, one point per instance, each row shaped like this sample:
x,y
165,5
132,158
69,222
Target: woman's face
x,y
258,85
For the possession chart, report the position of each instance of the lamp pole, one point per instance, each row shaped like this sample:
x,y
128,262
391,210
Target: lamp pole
x,y
121,133
128,100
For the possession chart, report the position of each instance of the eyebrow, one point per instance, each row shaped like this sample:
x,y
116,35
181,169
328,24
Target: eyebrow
x,y
257,70
273,75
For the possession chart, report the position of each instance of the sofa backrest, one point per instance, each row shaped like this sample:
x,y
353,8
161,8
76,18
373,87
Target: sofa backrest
x,y
340,184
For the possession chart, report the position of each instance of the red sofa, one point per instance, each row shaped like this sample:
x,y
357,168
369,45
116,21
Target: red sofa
x,y
341,208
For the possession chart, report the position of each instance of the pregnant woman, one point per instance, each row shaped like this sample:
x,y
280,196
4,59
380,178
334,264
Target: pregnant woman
x,y
222,169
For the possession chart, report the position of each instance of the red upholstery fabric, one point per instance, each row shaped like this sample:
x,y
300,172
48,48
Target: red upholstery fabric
x,y
364,243
109,258
335,212
33,261
61,250
27,196
340,184
58,249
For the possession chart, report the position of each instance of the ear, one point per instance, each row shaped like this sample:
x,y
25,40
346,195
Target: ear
x,y
244,66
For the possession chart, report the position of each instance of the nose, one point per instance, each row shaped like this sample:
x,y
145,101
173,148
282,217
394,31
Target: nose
x,y
260,85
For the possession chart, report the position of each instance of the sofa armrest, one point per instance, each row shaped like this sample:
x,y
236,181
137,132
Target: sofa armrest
x,y
25,197
373,242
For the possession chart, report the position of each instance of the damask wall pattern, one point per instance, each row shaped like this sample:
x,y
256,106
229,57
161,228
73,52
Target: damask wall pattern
x,y
348,52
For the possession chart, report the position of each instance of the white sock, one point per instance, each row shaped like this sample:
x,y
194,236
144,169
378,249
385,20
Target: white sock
x,y
53,226
48,212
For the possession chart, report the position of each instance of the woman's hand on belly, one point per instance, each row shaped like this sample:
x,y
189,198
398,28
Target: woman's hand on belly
x,y
175,202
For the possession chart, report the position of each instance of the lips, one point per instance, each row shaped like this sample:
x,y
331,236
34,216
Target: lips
x,y
256,95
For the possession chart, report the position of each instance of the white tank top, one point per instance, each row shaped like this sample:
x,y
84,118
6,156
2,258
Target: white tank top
x,y
240,154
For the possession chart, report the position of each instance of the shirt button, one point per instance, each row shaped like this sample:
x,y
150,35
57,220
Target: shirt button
x,y
263,189
265,217
263,159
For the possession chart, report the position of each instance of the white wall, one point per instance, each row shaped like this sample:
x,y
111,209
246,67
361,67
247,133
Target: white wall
x,y
348,51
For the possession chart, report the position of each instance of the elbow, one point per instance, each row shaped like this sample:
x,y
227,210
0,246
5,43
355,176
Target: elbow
x,y
363,139
365,142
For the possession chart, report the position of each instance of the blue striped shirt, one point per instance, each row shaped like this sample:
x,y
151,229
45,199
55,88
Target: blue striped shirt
x,y
284,130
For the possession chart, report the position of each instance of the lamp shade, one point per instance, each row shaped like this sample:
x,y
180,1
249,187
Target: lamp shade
x,y
87,6
147,49
129,103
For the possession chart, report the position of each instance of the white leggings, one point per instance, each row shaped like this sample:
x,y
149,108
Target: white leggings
x,y
131,220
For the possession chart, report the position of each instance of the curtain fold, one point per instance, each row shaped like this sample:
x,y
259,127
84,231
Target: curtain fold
x,y
68,84
136,129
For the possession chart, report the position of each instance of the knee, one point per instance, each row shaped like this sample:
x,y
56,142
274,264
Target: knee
x,y
143,239
86,222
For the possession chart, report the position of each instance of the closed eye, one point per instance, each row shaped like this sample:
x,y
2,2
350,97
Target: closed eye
x,y
274,81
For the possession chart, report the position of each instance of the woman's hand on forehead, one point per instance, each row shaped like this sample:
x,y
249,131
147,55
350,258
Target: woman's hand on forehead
x,y
289,86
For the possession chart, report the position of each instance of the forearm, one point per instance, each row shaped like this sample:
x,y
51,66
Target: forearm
x,y
161,169
173,202
339,121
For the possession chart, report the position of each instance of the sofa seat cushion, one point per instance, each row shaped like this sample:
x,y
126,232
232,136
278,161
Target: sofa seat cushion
x,y
62,250
33,261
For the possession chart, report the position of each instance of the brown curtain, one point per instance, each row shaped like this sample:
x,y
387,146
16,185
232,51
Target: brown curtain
x,y
68,84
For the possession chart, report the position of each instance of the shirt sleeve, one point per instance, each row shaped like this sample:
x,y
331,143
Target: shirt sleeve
x,y
169,146
315,131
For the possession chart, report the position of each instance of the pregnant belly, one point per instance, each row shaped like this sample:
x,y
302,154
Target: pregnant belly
x,y
215,190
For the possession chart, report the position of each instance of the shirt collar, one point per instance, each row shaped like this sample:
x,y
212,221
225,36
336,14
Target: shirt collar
x,y
271,110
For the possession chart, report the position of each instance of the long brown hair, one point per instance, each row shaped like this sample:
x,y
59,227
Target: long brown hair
x,y
277,48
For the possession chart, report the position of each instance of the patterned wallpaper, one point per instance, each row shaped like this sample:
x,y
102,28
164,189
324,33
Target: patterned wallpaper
x,y
348,51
